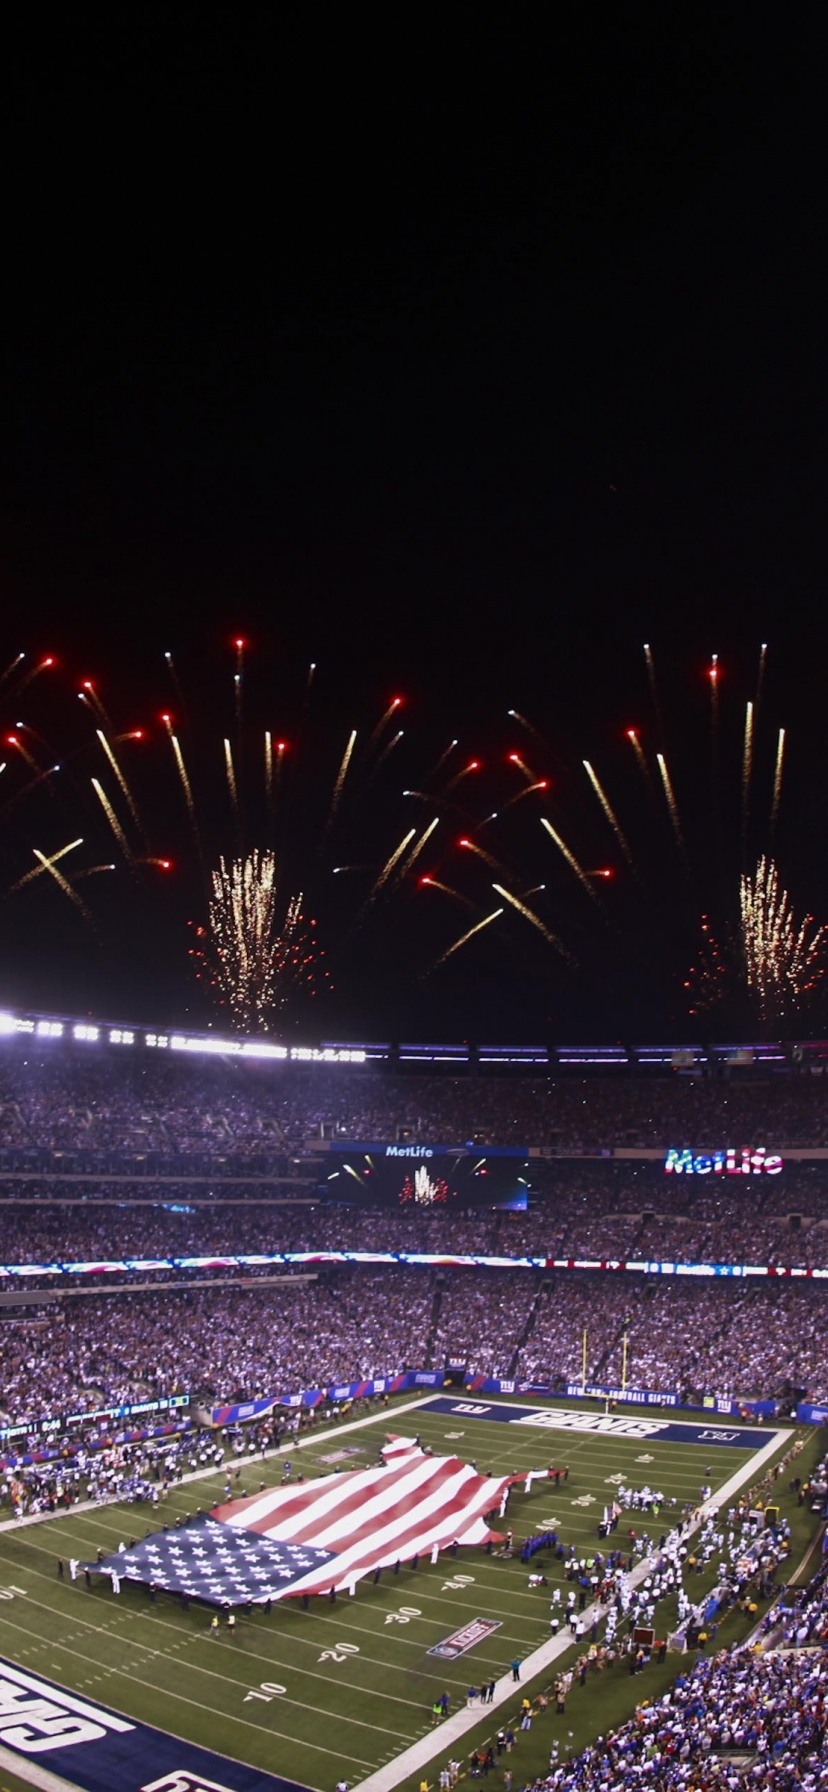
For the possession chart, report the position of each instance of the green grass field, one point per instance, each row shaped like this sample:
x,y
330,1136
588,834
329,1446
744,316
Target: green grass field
x,y
344,1688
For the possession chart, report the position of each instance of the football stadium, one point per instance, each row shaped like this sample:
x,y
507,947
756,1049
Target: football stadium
x,y
413,900
394,1416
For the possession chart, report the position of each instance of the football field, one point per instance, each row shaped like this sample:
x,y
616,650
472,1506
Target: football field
x,y
346,1688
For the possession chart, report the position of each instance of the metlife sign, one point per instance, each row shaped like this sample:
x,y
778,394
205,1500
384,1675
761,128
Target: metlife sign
x,y
87,1746
724,1162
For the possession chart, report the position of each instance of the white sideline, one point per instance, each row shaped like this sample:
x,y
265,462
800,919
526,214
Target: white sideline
x,y
34,1775
441,1741
199,1474
435,1742
30,1771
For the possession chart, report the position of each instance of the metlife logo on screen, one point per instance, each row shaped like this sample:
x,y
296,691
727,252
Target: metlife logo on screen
x,y
100,1751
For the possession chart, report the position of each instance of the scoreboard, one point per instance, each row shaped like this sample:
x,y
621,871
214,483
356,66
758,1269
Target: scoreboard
x,y
428,1178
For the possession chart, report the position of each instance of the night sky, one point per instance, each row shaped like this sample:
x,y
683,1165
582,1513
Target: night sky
x,y
460,355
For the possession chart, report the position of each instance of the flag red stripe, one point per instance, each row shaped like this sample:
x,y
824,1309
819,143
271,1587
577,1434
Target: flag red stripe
x,y
299,1499
407,1502
394,1548
372,1518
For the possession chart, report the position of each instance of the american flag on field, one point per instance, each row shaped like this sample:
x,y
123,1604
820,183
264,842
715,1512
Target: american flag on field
x,y
324,1534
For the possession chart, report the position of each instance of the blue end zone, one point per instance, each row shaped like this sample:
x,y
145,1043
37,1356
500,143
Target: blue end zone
x,y
101,1751
599,1424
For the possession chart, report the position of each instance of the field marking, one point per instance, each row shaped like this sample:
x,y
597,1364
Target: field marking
x,y
33,1774
236,1653
412,1642
127,1673
197,1636
366,1630
416,1758
226,1717
747,1470
201,1474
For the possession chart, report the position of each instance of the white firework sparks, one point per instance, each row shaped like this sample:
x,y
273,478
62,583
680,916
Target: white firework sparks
x,y
243,936
784,959
253,957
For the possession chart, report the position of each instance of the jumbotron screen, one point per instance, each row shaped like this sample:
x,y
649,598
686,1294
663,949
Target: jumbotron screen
x,y
427,1178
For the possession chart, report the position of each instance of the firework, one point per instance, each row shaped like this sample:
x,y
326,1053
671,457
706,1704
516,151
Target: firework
x,y
342,774
528,790
671,799
632,737
332,803
777,780
48,864
464,772
112,818
12,668
446,754
231,775
253,956
775,963
520,762
418,847
784,960
44,865
435,883
611,816
182,774
487,857
651,680
387,749
391,862
747,765
760,676
571,860
89,697
529,726
238,687
116,767
714,976
465,937
529,915
13,740
242,932
382,724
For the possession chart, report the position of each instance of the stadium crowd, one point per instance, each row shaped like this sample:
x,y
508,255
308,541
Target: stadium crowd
x,y
240,1333
753,1715
560,1226
73,1098
238,1343
736,1719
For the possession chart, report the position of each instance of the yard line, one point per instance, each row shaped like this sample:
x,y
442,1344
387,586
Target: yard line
x,y
415,1759
261,1730
237,1654
201,1474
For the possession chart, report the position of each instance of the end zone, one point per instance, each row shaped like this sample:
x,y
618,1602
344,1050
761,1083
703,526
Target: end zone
x,y
594,1424
89,1748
